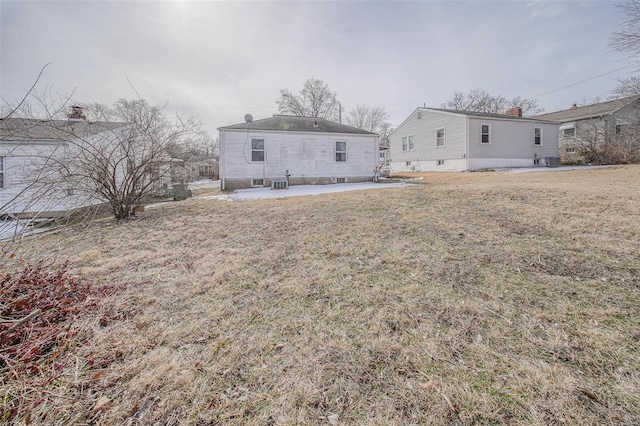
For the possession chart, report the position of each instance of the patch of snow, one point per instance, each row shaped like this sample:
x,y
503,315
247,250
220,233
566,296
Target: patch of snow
x,y
301,190
204,184
10,229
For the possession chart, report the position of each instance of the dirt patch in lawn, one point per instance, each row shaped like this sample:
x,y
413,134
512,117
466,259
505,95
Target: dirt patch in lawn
x,y
488,298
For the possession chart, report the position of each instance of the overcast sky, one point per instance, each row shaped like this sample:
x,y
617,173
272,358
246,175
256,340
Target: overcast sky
x,y
221,60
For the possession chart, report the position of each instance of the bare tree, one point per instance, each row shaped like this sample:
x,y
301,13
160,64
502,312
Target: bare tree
x,y
629,86
122,163
315,100
627,40
372,118
478,100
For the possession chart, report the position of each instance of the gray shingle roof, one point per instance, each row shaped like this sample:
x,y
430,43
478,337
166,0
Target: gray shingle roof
x,y
588,111
20,129
290,123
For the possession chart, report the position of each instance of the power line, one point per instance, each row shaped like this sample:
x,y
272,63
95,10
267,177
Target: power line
x,y
580,82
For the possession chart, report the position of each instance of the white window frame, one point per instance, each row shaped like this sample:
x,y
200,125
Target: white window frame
x,y
570,150
488,142
440,162
564,135
3,175
534,136
444,138
263,150
405,143
412,144
256,183
407,163
335,156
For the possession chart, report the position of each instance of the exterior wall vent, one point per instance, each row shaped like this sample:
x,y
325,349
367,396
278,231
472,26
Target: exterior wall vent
x,y
279,184
419,115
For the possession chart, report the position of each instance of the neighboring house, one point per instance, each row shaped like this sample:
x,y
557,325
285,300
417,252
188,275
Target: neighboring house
x,y
592,124
303,150
27,187
202,168
433,139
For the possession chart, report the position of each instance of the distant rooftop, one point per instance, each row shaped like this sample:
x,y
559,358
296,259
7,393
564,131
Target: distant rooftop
x,y
18,129
588,111
291,123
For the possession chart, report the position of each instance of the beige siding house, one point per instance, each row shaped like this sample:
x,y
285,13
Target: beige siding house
x,y
301,150
592,124
432,139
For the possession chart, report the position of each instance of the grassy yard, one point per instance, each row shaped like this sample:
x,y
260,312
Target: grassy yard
x,y
486,298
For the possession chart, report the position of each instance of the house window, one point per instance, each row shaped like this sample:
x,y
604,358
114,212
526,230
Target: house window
x,y
439,137
569,133
440,162
407,163
341,152
485,133
257,182
257,149
536,161
570,151
407,143
1,172
537,136
341,180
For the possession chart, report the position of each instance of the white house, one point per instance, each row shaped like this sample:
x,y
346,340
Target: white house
x,y
32,156
433,139
302,150
597,123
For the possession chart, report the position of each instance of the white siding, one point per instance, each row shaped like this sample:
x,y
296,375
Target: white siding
x,y
30,188
303,155
425,156
511,143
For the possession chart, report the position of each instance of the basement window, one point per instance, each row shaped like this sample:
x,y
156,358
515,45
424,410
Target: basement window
x,y
341,180
570,150
407,163
257,182
257,150
440,162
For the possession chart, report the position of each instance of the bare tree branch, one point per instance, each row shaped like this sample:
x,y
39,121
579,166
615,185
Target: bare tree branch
x,y
315,100
478,100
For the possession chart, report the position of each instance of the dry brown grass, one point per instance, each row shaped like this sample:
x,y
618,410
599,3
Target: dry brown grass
x,y
486,298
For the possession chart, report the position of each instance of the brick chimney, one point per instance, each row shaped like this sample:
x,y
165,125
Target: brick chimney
x,y
514,112
574,106
77,113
